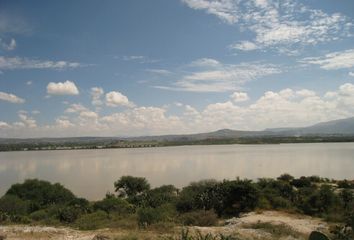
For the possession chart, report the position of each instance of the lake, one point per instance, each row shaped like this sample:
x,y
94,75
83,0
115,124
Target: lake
x,y
91,173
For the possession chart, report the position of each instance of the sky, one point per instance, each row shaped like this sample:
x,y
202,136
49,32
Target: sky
x,y
130,68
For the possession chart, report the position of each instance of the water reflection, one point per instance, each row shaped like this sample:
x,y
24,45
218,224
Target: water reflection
x,y
91,173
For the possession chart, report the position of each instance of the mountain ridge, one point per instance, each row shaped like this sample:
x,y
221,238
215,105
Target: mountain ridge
x,y
343,127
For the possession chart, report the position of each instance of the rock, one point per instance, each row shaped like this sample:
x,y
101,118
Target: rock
x,y
2,237
99,237
317,236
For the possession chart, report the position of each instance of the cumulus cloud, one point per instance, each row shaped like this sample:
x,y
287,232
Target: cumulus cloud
x,y
96,94
4,125
277,24
284,108
333,61
114,99
62,88
11,98
351,74
63,123
12,63
239,97
244,46
26,120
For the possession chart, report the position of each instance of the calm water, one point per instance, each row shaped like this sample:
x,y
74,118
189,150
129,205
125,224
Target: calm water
x,y
91,173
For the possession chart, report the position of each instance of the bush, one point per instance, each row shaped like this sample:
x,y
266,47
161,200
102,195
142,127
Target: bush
x,y
156,197
39,215
199,218
148,216
68,214
128,186
301,182
113,204
12,205
41,193
198,195
92,221
236,197
285,177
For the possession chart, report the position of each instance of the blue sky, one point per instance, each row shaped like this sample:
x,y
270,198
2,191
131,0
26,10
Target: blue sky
x,y
124,68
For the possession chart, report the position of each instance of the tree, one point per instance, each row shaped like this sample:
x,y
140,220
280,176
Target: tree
x,y
41,193
13,205
129,186
285,177
236,197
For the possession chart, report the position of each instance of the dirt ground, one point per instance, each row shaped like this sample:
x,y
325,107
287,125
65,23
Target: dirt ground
x,y
251,226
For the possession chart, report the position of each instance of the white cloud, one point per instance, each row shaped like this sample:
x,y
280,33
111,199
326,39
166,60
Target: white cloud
x,y
244,46
239,97
284,108
29,83
11,98
4,125
75,108
27,120
114,99
224,9
217,77
205,62
332,61
11,45
351,74
62,88
63,123
278,25
142,120
12,63
159,71
88,114
139,59
35,112
96,94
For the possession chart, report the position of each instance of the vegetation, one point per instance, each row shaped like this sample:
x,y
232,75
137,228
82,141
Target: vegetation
x,y
103,143
202,203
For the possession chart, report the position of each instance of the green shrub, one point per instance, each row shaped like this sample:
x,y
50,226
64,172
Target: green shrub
x,y
39,215
235,197
128,186
13,205
41,193
156,197
148,216
92,221
114,204
198,195
199,218
68,214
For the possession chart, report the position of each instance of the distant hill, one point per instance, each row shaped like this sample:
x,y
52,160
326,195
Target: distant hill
x,y
336,127
220,134
342,127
